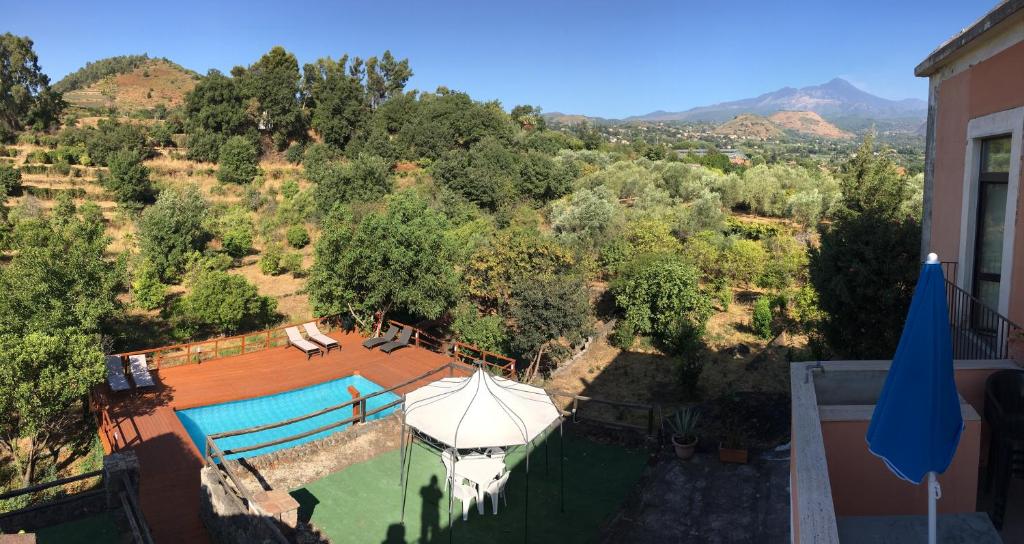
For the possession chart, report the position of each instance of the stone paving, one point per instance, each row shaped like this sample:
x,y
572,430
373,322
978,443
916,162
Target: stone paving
x,y
705,501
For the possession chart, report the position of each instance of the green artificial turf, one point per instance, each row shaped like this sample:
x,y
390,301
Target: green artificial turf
x,y
98,529
362,503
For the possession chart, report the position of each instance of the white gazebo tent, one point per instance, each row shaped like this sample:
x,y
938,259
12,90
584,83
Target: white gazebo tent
x,y
476,412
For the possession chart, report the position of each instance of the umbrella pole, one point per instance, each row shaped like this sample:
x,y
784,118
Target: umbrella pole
x,y
934,493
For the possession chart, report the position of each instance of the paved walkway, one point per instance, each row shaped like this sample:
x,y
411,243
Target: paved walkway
x,y
705,501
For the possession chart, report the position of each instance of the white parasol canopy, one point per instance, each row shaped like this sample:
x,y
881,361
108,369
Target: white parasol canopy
x,y
480,411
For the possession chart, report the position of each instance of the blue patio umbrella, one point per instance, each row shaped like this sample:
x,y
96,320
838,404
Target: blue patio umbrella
x,y
917,422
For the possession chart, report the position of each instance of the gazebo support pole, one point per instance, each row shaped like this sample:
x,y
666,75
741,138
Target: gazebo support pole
x,y
561,466
401,456
451,499
526,498
405,474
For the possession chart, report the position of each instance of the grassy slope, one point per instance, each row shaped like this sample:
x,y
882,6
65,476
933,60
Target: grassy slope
x,y
155,82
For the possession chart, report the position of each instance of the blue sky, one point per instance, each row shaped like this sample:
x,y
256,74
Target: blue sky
x,y
606,58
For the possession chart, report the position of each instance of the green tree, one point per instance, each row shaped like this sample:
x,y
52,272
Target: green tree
x,y
238,161
528,117
866,265
511,256
273,84
173,228
762,318
236,231
58,277
10,179
26,99
225,303
42,375
398,259
545,310
297,236
214,111
487,332
488,174
148,292
128,179
338,101
659,294
386,77
745,260
367,177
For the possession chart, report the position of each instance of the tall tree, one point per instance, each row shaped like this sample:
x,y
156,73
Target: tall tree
x,y
272,85
215,111
26,99
173,228
395,260
545,310
58,277
386,77
41,376
866,265
337,100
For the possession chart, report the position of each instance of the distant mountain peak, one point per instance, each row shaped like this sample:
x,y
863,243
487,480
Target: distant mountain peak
x,y
837,98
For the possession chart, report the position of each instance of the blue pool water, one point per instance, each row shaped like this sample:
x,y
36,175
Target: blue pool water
x,y
243,414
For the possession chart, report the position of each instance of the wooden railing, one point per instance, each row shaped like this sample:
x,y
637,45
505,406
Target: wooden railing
x,y
572,407
463,352
215,348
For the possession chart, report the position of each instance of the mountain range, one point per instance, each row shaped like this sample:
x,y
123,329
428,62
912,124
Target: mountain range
x,y
836,100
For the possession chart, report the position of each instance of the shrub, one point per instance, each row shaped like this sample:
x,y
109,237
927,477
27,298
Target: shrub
x,y
225,303
148,292
487,332
762,318
10,179
204,146
290,188
270,260
292,263
623,336
294,153
238,161
235,230
173,228
38,156
128,179
297,236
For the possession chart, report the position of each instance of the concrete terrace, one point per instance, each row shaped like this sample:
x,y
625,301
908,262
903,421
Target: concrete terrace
x,y
146,422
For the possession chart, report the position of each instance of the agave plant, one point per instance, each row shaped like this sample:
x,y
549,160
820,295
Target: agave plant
x,y
683,423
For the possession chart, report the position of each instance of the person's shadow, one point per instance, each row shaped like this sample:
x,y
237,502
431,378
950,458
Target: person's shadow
x,y
396,534
430,517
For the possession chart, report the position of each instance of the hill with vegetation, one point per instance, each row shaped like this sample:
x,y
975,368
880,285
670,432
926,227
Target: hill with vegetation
x,y
128,83
808,123
749,127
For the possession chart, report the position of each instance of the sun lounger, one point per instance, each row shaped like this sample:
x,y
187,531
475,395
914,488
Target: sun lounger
x,y
314,334
296,339
403,340
371,343
115,374
140,371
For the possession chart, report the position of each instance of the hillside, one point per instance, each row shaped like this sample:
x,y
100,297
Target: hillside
x,y
808,123
144,85
749,127
836,99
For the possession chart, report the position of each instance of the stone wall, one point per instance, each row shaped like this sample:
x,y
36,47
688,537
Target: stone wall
x,y
227,518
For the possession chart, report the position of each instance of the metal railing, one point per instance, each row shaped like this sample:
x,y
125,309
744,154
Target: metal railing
x,y
978,331
461,351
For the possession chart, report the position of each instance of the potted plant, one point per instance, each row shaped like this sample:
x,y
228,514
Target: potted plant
x,y
731,449
683,424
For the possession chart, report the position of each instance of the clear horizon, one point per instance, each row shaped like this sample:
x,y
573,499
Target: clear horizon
x,y
592,58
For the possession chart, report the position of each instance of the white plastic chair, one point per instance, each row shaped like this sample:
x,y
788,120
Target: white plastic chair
x,y
466,494
447,458
497,489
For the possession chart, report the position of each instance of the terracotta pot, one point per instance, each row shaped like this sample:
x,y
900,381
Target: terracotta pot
x,y
684,449
732,455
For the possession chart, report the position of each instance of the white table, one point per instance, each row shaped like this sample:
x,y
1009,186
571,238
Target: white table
x,y
481,471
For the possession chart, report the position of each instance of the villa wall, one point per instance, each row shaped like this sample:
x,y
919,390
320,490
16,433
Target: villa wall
x,y
992,85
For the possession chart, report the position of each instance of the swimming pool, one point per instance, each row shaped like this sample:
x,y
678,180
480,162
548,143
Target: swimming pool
x,y
242,414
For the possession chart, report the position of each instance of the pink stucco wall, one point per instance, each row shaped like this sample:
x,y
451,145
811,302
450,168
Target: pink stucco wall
x,y
993,85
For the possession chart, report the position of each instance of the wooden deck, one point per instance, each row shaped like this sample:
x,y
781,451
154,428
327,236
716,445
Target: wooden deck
x,y
169,462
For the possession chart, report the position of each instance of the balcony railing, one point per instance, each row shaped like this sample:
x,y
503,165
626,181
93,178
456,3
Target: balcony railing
x,y
978,331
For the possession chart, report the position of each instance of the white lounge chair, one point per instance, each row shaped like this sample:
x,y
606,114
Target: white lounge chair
x,y
497,489
314,334
115,374
296,339
140,371
466,494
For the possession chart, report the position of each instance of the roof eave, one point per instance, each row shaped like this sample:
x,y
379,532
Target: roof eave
x,y
938,58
